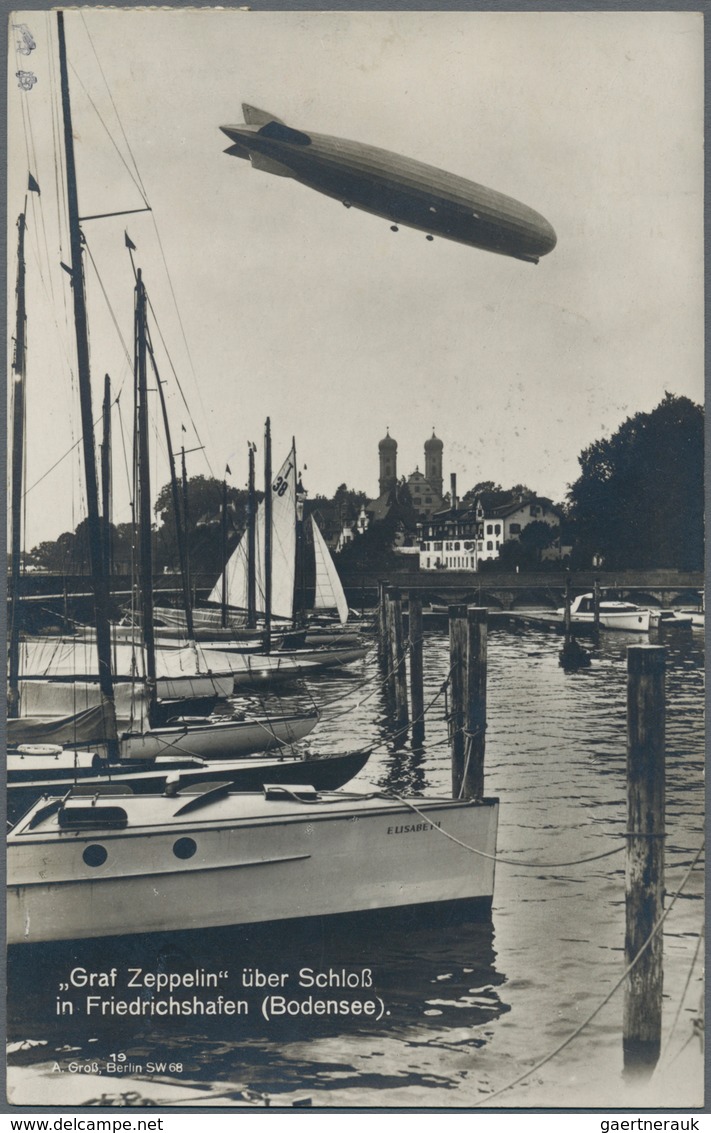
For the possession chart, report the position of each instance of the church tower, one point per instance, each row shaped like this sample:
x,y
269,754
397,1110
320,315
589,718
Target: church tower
x,y
433,463
388,463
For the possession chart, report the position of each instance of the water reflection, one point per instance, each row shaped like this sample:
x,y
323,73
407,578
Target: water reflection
x,y
439,984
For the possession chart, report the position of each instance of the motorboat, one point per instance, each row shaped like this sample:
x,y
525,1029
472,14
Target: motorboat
x,y
613,614
104,863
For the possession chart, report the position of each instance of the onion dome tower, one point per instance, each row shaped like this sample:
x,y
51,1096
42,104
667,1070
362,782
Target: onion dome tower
x,y
433,463
387,450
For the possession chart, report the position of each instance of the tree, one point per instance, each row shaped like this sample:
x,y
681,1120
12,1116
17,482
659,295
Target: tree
x,y
639,501
204,525
491,495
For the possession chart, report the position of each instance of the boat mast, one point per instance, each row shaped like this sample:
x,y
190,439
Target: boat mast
x,y
106,475
223,529
179,520
186,537
143,490
251,545
18,457
298,603
76,239
267,535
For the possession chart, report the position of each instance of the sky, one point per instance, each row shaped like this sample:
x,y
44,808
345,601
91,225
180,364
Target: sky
x,y
273,300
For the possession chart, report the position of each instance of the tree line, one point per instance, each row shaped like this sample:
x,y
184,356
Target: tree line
x,y
638,503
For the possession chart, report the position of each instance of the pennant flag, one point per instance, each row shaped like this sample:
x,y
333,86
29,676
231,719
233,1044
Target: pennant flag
x,y
129,242
32,185
183,428
228,470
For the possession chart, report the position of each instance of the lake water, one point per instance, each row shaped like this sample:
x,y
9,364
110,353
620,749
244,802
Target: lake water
x,y
472,1006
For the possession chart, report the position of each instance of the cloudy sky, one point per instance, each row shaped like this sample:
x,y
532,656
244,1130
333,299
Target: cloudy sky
x,y
274,300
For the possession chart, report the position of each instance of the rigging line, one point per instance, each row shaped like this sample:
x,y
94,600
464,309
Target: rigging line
x,y
59,163
69,451
509,861
606,1000
128,477
170,360
682,1000
111,99
49,295
114,320
36,206
110,136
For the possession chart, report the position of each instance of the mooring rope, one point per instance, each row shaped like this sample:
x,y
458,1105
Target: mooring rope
x,y
566,1042
495,857
682,1000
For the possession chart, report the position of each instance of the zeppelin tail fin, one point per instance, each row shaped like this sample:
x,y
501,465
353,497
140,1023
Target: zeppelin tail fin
x,y
255,117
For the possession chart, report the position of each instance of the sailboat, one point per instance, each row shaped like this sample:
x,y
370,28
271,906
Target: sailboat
x,y
262,576
101,738
230,596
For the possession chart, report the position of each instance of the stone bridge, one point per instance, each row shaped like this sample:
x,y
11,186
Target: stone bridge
x,y
545,589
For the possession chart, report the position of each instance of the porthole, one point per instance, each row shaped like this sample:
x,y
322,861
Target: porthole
x,y
94,856
184,848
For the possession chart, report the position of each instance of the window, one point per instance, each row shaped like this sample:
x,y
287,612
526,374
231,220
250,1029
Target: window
x,y
456,546
489,546
489,528
515,528
497,529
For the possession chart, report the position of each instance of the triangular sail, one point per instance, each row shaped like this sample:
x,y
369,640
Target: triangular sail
x,y
329,593
283,490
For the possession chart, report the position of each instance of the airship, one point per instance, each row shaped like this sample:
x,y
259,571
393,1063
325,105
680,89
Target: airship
x,y
401,190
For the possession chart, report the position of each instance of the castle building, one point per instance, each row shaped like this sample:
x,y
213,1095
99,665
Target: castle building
x,y
387,451
424,490
433,463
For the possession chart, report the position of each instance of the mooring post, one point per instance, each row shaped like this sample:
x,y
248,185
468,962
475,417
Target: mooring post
x,y
642,1018
382,625
417,697
596,606
472,784
457,693
567,621
397,668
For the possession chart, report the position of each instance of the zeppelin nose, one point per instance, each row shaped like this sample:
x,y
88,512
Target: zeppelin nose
x,y
547,237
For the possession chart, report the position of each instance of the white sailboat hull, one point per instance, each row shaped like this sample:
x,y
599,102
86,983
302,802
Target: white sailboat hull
x,y
255,860
220,739
259,668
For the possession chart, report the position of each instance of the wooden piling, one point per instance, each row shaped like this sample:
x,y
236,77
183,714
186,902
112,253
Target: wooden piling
x,y
382,625
642,1018
567,621
417,698
396,657
472,784
596,606
457,693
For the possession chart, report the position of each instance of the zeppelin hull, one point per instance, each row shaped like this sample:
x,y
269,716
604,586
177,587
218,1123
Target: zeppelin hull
x,y
400,189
